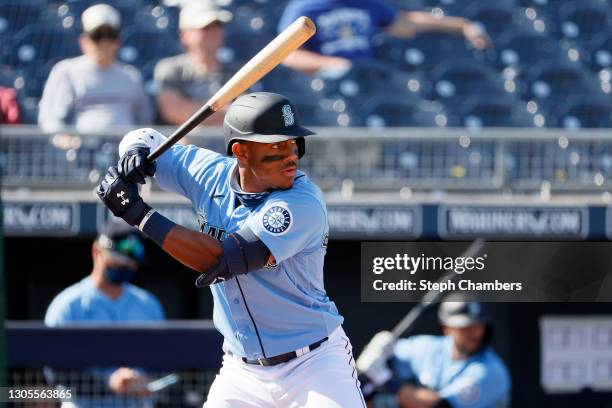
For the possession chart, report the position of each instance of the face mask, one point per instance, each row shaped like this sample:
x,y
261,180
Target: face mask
x,y
118,276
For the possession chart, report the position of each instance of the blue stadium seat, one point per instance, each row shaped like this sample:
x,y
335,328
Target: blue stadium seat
x,y
159,17
143,44
424,51
30,80
253,21
460,7
392,111
551,81
581,21
583,112
39,43
365,79
454,80
597,54
240,47
496,17
522,49
16,14
486,111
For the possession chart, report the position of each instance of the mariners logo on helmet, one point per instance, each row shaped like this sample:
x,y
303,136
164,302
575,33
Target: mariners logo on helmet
x,y
277,220
288,116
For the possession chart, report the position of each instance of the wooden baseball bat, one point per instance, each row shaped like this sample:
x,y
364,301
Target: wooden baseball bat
x,y
434,296
269,57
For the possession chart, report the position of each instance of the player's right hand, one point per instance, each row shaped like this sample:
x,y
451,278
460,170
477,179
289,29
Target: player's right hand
x,y
122,198
134,166
372,361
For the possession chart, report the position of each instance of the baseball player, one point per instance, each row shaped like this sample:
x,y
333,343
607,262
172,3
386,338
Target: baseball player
x,y
265,237
458,370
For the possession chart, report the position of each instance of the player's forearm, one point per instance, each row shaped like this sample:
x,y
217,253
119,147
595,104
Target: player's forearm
x,y
412,23
410,396
193,249
310,62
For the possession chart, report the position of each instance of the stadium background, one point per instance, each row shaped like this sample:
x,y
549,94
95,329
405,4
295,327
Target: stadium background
x,y
448,139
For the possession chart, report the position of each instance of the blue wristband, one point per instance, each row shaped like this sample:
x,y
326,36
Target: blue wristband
x,y
156,226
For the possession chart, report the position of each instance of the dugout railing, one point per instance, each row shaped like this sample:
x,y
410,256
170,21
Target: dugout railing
x,y
359,159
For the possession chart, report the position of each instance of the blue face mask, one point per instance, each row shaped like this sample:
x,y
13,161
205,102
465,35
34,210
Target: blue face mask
x,y
118,276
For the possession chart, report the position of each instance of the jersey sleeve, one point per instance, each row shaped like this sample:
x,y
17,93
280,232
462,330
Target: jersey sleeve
x,y
288,225
403,354
480,386
190,171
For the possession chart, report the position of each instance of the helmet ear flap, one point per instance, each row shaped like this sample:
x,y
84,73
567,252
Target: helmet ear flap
x,y
301,144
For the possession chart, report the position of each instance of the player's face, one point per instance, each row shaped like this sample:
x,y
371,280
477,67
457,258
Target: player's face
x,y
269,165
203,41
101,45
467,339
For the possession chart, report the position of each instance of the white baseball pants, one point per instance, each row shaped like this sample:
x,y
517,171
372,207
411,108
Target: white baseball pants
x,y
323,378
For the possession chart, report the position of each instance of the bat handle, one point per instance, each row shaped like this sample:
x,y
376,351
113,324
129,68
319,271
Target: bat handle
x,y
202,114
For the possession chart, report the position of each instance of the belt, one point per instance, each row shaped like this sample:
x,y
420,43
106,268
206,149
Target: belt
x,y
283,358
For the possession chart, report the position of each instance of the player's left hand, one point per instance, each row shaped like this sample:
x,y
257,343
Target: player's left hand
x,y
122,198
476,36
134,166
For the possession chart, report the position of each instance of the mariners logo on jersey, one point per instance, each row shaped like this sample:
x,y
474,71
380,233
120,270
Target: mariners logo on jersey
x,y
288,116
277,220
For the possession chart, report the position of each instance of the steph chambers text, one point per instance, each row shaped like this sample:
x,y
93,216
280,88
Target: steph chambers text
x,y
444,286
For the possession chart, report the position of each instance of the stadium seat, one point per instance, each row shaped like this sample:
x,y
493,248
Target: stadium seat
x,y
391,111
365,79
143,44
16,14
522,49
240,47
252,21
486,111
550,80
583,112
496,17
454,80
40,43
461,7
422,52
597,54
581,21
160,17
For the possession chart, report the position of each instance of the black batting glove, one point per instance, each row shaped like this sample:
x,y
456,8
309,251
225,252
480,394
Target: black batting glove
x,y
122,198
134,166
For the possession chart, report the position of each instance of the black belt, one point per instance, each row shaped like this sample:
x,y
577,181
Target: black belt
x,y
283,358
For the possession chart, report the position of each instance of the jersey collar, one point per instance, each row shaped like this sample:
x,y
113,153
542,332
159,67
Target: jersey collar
x,y
249,200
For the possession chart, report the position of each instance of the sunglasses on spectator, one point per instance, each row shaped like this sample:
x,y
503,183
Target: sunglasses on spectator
x,y
98,36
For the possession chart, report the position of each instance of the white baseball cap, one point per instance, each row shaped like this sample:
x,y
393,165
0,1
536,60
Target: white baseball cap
x,y
100,15
199,14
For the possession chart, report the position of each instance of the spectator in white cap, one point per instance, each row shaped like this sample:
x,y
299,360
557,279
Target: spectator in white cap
x,y
188,80
94,91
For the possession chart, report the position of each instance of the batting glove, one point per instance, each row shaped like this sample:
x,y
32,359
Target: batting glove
x,y
134,166
122,198
372,361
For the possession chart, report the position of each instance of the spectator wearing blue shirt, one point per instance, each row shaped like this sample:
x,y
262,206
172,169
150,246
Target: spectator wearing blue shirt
x,y
345,29
105,297
457,370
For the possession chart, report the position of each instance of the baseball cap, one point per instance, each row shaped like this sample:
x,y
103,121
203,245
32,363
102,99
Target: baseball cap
x,y
460,314
199,14
122,240
100,15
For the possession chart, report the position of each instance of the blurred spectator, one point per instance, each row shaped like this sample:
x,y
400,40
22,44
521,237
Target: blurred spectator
x,y
9,107
458,370
105,297
188,80
345,29
94,90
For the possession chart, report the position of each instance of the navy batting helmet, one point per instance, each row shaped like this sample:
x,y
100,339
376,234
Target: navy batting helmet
x,y
263,117
461,314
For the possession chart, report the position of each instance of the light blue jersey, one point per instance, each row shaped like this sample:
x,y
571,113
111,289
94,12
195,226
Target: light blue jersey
x,y
277,309
83,303
481,381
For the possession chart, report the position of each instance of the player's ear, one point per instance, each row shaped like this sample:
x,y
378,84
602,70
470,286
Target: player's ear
x,y
240,150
